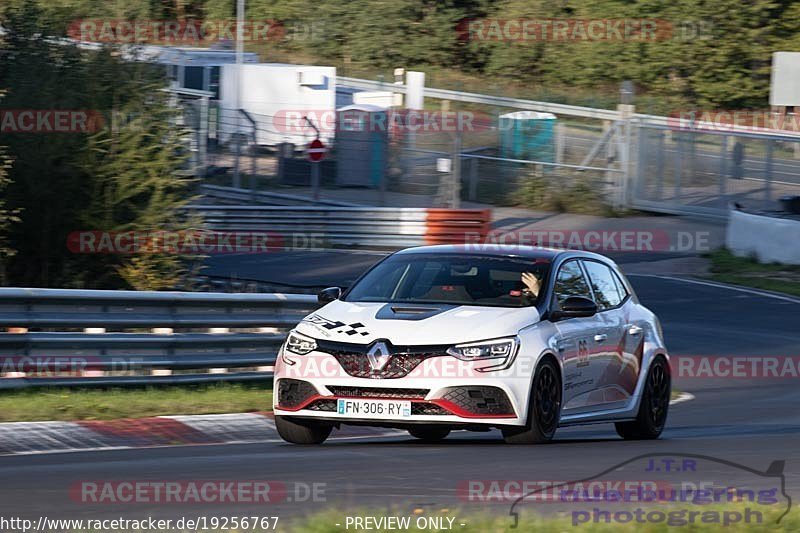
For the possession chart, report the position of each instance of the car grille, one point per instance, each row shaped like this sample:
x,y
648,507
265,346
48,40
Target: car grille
x,y
378,392
418,408
479,400
293,392
323,405
402,359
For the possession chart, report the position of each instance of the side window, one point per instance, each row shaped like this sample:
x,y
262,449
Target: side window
x,y
571,282
621,290
603,285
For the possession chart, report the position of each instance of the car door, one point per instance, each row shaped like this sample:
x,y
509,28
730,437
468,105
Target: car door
x,y
617,372
574,340
632,337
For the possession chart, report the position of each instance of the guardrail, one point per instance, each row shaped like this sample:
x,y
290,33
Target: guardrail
x,y
475,98
366,227
563,109
205,349
238,196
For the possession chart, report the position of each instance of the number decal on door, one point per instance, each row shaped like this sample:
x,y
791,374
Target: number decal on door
x,y
583,352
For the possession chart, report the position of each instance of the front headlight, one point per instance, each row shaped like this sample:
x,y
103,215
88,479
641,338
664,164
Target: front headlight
x,y
299,344
503,350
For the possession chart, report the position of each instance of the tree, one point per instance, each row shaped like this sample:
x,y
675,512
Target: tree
x,y
7,217
137,187
106,180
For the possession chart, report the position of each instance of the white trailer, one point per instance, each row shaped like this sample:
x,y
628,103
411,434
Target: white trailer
x,y
197,68
278,97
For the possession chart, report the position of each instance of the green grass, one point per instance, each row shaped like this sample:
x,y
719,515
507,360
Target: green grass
x,y
530,521
107,404
727,268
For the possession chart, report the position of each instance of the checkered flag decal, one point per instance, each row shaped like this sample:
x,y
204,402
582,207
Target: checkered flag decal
x,y
339,327
353,329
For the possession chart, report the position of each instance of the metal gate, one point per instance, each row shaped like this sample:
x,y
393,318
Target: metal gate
x,y
698,172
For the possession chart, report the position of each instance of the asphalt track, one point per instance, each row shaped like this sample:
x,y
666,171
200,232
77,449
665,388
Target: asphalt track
x,y
751,422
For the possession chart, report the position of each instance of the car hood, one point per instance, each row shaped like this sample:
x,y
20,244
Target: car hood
x,y
412,324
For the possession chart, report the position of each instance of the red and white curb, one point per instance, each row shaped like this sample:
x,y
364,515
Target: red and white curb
x,y
18,438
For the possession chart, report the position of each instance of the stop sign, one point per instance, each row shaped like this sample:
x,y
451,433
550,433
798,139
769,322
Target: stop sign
x,y
316,151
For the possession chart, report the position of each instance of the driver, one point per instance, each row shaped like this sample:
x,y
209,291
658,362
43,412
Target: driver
x,y
532,285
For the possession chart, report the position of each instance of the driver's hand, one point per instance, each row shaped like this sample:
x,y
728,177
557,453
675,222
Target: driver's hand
x,y
531,282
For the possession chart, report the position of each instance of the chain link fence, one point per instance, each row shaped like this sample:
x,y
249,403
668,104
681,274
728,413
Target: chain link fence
x,y
494,169
617,163
703,172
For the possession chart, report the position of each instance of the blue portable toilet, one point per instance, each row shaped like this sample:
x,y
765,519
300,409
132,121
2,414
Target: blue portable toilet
x,y
362,145
528,135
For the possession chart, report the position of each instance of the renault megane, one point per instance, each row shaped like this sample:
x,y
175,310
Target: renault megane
x,y
438,338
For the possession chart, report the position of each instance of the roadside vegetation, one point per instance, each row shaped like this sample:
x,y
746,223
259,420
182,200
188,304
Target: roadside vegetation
x,y
728,268
108,404
531,521
118,171
542,193
706,54
36,404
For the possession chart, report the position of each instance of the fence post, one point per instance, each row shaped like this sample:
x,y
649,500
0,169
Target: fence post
x,y
678,165
626,112
608,132
768,174
473,179
253,163
723,169
455,201
559,142
237,179
202,142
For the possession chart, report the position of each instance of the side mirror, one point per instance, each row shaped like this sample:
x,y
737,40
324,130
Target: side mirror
x,y
575,306
328,295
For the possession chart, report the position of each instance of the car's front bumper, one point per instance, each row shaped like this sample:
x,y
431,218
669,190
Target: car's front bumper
x,y
445,390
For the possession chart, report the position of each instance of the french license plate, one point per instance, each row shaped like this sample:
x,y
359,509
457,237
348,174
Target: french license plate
x,y
373,408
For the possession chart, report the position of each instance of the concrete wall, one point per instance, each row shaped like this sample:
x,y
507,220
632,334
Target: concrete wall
x,y
770,239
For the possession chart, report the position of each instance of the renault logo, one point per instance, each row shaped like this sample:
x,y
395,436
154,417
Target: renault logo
x,y
378,356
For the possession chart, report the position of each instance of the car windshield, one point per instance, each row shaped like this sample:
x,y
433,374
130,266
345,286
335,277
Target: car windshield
x,y
478,280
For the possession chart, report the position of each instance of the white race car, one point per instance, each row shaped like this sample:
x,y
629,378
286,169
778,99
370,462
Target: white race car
x,y
438,338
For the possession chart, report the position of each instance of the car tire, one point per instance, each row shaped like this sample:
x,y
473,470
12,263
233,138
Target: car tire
x,y
653,409
544,408
302,433
429,434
